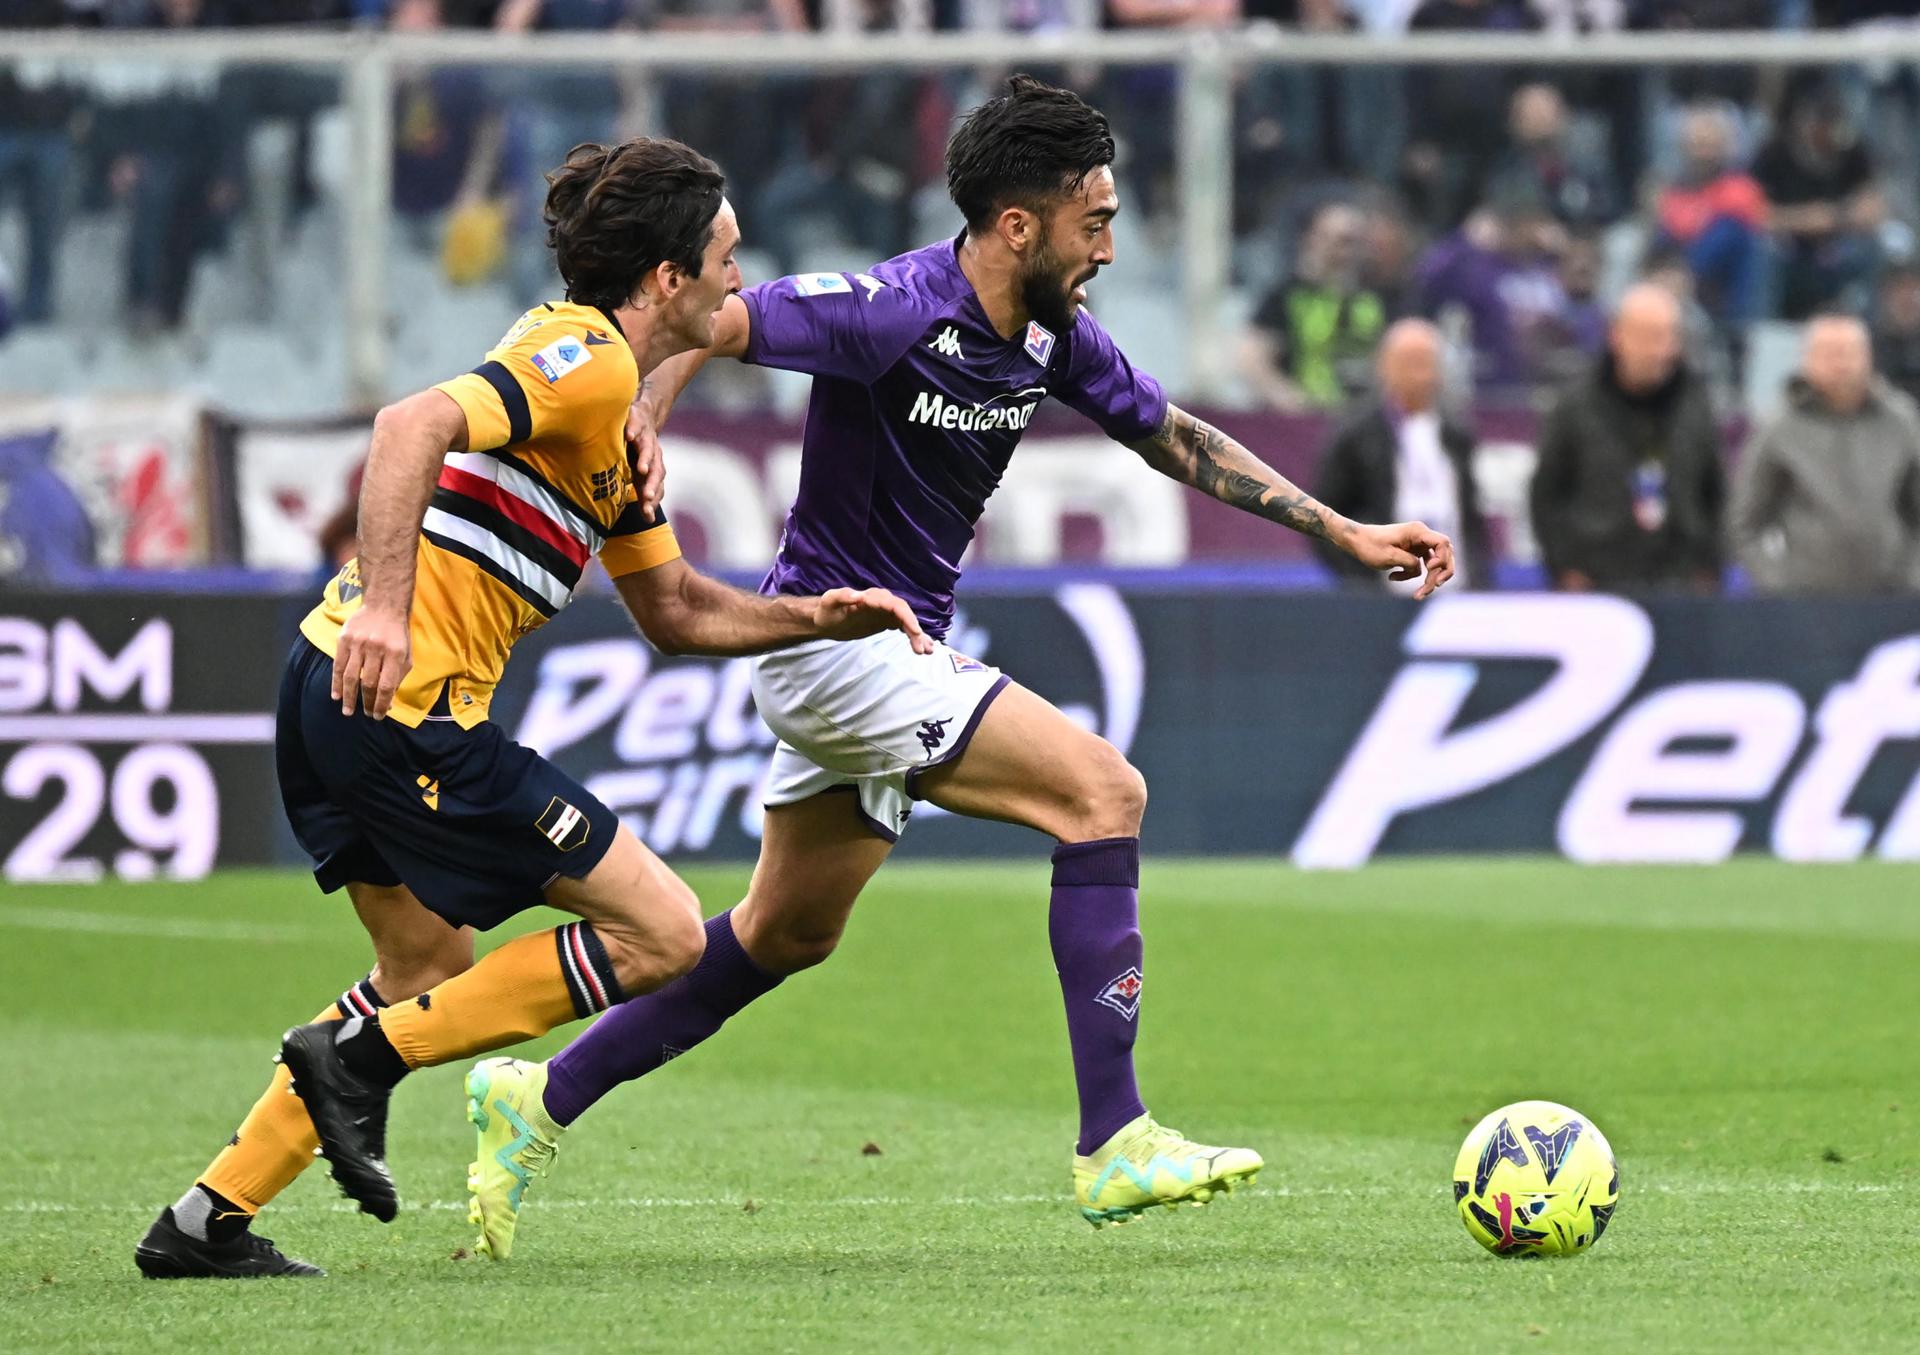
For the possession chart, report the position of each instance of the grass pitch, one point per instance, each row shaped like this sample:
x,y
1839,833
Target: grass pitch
x,y
876,1156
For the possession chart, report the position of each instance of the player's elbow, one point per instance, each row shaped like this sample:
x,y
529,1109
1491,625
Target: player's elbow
x,y
676,624
672,624
400,417
667,631
429,419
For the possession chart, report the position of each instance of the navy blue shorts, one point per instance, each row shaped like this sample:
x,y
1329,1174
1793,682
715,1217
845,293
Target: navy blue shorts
x,y
474,824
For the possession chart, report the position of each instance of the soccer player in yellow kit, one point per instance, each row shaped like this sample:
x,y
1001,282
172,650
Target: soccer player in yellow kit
x,y
483,498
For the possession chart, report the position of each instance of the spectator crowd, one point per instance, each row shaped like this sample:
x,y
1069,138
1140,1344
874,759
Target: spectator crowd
x,y
1604,245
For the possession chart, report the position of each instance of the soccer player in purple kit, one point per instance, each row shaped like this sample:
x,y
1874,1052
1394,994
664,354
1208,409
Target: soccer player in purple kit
x,y
927,368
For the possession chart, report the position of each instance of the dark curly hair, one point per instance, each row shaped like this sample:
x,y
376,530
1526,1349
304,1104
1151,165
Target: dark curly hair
x,y
1028,147
615,213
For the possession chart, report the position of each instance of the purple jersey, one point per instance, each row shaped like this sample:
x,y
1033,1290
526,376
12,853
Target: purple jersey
x,y
917,406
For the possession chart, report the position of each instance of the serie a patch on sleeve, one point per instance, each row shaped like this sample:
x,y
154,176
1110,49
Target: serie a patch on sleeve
x,y
560,357
821,284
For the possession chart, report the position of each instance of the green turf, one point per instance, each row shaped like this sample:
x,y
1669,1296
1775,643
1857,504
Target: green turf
x,y
1746,1036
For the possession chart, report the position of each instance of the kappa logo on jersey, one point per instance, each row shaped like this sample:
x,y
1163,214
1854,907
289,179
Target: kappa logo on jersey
x,y
963,664
947,343
563,825
560,357
932,734
1123,994
820,284
1039,343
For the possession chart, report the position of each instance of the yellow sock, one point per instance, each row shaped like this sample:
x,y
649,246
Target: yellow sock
x,y
524,989
276,1140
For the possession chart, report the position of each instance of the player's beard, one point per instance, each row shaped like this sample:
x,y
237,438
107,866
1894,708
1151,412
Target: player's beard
x,y
1045,290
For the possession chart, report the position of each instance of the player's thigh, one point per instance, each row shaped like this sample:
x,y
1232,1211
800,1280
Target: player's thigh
x,y
647,917
816,855
1029,764
414,947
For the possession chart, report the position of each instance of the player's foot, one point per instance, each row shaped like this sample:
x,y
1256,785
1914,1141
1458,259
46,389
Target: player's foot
x,y
1144,1166
517,1143
349,1114
167,1253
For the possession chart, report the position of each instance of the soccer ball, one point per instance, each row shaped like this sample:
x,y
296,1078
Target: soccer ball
x,y
1536,1179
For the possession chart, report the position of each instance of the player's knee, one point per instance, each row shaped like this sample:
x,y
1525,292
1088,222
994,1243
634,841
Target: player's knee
x,y
795,949
1113,799
780,942
658,948
408,970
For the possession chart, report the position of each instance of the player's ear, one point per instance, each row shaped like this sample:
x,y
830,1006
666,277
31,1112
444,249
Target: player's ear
x,y
663,282
1018,227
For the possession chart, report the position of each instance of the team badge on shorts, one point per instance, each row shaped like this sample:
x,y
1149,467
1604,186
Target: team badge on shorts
x,y
1123,994
963,664
563,825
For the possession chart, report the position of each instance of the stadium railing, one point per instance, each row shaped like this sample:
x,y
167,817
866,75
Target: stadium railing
x,y
1201,145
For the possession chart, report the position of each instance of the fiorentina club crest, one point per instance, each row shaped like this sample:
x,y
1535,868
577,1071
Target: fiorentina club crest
x,y
1039,342
1123,994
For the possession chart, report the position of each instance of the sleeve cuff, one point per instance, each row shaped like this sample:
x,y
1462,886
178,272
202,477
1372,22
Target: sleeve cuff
x,y
487,424
641,551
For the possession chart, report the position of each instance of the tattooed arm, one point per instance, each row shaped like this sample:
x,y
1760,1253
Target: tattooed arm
x,y
1195,453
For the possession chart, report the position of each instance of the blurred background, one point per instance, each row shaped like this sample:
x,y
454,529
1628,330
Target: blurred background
x,y
1624,295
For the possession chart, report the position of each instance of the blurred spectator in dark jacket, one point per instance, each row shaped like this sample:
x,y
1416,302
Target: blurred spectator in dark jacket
x,y
1497,278
1629,490
1896,328
1716,215
1312,338
1398,458
1573,336
1450,108
37,14
1387,269
174,153
1540,161
448,135
1825,204
1828,494
1847,13
1693,82
39,123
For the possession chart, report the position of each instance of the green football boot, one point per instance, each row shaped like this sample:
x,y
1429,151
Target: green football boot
x,y
517,1143
1144,1166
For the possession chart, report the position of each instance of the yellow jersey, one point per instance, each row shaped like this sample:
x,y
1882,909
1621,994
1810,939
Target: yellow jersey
x,y
542,485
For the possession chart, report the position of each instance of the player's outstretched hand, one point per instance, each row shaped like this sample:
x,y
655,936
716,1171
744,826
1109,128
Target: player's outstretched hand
x,y
643,450
855,613
373,655
1404,549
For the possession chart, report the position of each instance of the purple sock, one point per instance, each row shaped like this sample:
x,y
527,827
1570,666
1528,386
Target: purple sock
x,y
1094,925
642,1033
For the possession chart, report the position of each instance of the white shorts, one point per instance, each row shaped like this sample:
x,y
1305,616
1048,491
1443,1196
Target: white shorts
x,y
868,715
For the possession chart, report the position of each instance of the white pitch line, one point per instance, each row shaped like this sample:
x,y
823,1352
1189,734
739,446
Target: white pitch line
x,y
125,924
952,1201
